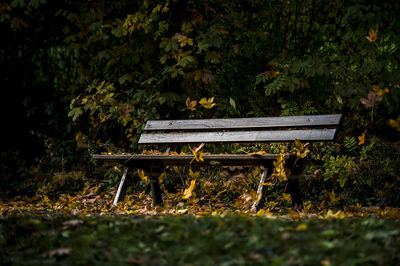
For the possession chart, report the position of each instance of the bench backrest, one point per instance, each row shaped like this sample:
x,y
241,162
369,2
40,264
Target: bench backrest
x,y
263,129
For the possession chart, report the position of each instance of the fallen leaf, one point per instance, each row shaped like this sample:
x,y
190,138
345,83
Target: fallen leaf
x,y
258,153
336,215
189,191
301,227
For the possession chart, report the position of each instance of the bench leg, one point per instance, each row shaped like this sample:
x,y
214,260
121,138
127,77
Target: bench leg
x,y
295,193
261,192
123,185
156,191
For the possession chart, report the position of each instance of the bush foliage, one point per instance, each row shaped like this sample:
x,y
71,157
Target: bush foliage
x,y
85,76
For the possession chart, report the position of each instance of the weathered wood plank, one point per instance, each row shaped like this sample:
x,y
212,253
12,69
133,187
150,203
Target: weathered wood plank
x,y
146,160
244,123
238,136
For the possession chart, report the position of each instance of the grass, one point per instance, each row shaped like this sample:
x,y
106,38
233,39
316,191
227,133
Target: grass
x,y
32,239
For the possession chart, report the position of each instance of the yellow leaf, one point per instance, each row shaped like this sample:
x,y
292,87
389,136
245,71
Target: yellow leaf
x,y
189,191
258,153
264,212
279,170
379,91
286,197
301,227
361,139
395,123
372,35
194,174
332,197
300,149
198,156
142,176
267,184
337,215
307,205
207,103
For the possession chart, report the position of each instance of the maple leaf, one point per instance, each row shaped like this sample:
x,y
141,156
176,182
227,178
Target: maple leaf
x,y
207,103
142,176
361,139
189,191
372,35
371,100
300,149
190,105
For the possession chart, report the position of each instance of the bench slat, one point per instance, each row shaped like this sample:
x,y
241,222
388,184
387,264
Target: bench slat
x,y
244,123
146,160
237,136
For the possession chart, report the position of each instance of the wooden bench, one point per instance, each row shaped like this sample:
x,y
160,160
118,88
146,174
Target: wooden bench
x,y
235,130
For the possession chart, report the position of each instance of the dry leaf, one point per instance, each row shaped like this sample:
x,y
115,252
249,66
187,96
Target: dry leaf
x,y
189,191
372,35
190,105
142,176
301,227
258,153
371,100
361,139
207,103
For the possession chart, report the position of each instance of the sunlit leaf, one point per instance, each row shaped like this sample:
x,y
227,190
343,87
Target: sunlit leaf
x,y
142,176
266,212
189,191
258,153
300,149
198,156
207,103
372,35
336,215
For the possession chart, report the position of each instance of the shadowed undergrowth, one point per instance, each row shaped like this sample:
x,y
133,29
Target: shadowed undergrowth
x,y
188,240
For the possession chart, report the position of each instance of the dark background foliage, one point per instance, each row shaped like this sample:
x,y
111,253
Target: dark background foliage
x,y
84,76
